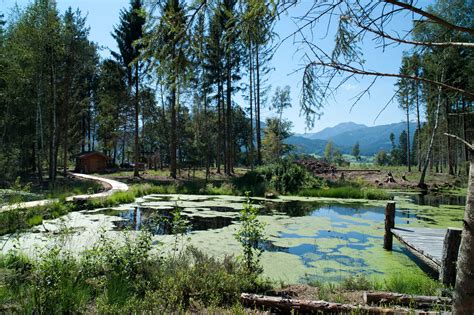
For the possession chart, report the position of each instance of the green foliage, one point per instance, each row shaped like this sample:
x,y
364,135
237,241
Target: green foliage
x,y
223,189
15,219
329,151
254,182
121,276
348,192
339,158
250,235
358,282
18,192
273,145
356,151
400,283
287,177
412,284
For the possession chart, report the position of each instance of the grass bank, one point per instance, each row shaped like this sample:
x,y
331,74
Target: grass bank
x,y
126,278
23,191
414,284
15,219
346,192
115,279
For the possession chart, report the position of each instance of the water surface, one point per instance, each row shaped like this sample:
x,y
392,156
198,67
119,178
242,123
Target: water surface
x,y
307,238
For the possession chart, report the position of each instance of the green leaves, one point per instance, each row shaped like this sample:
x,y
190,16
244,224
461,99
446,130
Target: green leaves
x,y
251,235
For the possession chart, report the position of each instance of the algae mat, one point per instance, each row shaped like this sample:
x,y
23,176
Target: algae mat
x,y
307,238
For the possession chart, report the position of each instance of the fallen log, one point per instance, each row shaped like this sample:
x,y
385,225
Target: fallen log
x,y
320,307
420,301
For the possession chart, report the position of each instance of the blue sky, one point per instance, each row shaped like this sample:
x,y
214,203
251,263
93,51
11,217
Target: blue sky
x,y
102,15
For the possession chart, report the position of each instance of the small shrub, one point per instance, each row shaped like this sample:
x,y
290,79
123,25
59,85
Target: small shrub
x,y
250,235
253,182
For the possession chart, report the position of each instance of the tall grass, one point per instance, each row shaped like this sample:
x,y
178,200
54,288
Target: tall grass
x,y
346,192
125,278
406,283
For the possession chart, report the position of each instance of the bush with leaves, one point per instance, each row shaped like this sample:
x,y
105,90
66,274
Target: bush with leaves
x,y
251,235
288,177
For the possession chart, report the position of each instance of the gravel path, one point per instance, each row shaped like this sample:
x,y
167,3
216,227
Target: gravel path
x,y
112,186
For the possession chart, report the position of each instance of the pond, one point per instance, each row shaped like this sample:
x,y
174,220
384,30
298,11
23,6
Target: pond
x,y
307,238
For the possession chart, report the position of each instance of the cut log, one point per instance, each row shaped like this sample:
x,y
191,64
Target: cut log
x,y
320,307
420,301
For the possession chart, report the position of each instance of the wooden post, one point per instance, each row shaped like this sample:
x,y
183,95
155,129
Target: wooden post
x,y
389,224
452,241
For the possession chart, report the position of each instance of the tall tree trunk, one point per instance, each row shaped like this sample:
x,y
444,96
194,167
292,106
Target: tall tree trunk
x,y
179,159
39,142
421,182
173,143
53,130
464,288
251,138
408,135
229,114
450,146
464,130
66,121
206,136
89,129
219,126
259,136
418,124
137,105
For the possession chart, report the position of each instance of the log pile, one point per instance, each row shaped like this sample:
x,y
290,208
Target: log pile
x,y
317,167
285,305
289,305
419,301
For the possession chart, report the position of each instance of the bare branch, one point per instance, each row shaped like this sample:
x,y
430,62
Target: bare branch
x,y
431,17
416,43
347,68
469,146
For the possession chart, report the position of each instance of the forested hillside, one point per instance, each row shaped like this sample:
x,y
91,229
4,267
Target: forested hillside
x,y
371,139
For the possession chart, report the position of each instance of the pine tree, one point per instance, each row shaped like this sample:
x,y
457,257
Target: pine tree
x,y
168,45
128,34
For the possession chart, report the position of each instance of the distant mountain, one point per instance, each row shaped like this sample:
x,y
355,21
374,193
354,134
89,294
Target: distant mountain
x,y
331,132
371,139
307,146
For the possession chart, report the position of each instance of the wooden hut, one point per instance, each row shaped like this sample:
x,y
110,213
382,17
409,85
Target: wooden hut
x,y
91,162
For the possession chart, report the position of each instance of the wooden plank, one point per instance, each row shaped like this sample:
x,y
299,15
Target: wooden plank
x,y
424,243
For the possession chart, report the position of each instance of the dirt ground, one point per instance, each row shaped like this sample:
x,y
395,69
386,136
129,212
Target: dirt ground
x,y
390,179
382,177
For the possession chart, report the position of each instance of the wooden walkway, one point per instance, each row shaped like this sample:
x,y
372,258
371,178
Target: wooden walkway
x,y
437,248
425,243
